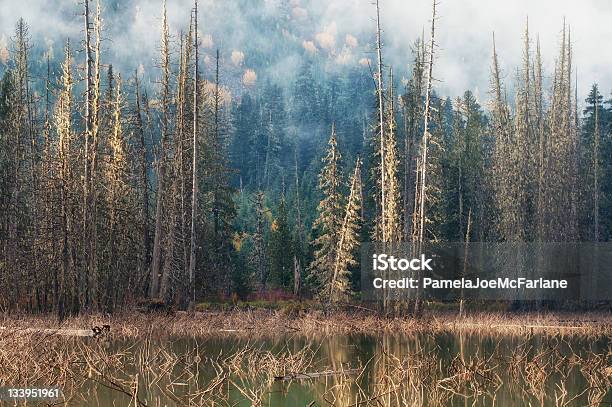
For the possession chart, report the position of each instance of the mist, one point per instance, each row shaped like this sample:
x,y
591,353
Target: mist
x,y
339,33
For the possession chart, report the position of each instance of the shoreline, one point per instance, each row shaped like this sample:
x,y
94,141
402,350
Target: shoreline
x,y
264,323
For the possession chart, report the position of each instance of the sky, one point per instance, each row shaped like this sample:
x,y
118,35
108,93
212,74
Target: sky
x,y
343,31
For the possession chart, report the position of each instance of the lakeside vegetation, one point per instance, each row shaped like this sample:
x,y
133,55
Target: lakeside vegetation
x,y
276,318
259,357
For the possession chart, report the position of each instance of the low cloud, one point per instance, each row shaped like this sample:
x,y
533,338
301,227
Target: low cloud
x,y
327,38
310,47
207,41
365,62
249,78
351,41
299,13
237,58
463,33
345,57
4,52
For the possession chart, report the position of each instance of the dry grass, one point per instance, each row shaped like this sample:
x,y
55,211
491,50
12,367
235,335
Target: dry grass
x,y
256,322
173,360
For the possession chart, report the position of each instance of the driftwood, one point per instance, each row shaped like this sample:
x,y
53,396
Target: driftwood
x,y
95,331
315,375
519,326
49,331
537,326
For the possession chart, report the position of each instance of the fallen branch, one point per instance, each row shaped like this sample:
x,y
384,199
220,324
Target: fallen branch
x,y
315,375
51,331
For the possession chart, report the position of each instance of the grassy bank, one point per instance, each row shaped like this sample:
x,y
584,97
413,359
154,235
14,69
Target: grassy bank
x,y
292,318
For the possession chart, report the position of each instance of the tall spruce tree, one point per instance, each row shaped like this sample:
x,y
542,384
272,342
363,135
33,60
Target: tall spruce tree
x,y
280,249
348,241
329,221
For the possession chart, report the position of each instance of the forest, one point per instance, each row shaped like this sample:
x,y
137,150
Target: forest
x,y
182,186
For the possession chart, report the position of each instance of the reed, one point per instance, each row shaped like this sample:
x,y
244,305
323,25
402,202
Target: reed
x,y
181,362
248,323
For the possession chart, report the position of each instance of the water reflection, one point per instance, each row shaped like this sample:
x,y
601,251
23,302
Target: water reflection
x,y
445,369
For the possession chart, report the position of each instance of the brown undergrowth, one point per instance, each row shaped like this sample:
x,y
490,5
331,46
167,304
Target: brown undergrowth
x,y
265,322
155,359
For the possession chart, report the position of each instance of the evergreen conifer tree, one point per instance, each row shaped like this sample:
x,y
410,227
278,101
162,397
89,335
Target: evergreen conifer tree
x,y
329,220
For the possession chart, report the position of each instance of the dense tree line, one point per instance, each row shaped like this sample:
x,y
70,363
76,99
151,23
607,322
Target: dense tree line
x,y
112,191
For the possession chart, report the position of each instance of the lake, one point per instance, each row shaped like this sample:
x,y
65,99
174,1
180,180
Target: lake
x,y
435,369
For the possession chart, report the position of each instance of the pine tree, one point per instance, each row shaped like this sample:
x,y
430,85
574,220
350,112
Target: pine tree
x,y
592,173
243,148
280,250
259,255
329,221
273,117
560,171
392,211
506,161
22,175
596,173
464,189
218,194
340,286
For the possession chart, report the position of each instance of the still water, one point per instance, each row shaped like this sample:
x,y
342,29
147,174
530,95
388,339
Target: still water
x,y
441,369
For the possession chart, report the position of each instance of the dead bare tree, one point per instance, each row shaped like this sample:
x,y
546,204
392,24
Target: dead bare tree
x,y
381,123
165,101
194,186
421,192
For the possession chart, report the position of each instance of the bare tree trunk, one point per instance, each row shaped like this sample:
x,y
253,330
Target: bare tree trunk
x,y
596,141
144,181
465,258
297,199
165,288
353,196
268,153
541,143
64,128
49,204
93,193
156,260
194,186
381,122
408,146
423,162
297,275
84,279
181,98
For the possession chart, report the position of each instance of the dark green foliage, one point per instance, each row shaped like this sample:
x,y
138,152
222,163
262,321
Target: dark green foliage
x,y
280,250
464,169
595,100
